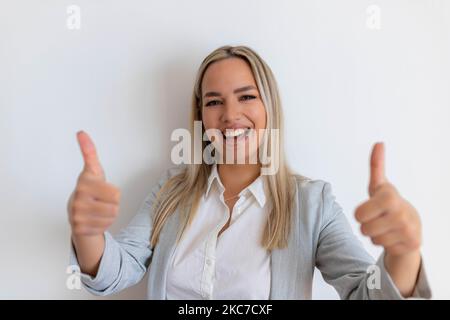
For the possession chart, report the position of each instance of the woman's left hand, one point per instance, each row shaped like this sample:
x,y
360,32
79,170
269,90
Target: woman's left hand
x,y
392,222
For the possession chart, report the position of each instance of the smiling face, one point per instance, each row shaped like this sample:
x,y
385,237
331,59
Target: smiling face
x,y
232,104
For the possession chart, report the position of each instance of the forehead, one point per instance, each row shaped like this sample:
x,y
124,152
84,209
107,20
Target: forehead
x,y
227,74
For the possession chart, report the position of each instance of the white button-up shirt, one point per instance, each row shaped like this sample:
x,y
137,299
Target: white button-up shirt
x,y
232,266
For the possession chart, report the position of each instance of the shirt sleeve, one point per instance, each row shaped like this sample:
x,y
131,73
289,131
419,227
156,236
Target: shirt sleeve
x,y
126,256
348,267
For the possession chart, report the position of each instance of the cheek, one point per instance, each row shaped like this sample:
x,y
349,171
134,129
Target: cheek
x,y
258,116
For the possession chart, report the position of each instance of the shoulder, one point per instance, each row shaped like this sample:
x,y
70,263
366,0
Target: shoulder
x,y
174,171
311,189
315,198
167,174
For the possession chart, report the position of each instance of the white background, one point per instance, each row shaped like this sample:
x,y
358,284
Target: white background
x,y
126,78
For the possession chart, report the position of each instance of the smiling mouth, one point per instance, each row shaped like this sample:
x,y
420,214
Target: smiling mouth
x,y
234,134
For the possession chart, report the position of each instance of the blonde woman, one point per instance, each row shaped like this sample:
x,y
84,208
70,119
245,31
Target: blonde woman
x,y
224,230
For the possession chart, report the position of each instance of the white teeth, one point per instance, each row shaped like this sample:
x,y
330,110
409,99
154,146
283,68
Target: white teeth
x,y
230,133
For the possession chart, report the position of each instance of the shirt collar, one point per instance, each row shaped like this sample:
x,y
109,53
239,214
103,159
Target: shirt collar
x,y
214,175
256,188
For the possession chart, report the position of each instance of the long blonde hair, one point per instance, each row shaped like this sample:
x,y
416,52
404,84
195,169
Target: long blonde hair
x,y
184,190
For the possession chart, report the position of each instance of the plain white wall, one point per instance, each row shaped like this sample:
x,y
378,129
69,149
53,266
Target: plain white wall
x,y
126,78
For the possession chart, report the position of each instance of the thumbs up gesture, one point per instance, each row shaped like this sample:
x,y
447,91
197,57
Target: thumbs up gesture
x,y
387,218
94,204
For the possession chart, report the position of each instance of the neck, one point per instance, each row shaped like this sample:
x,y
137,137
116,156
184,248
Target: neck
x,y
236,177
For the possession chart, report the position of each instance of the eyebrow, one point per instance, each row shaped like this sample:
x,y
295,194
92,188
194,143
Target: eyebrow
x,y
217,94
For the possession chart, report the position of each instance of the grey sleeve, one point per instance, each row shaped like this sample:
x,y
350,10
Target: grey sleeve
x,y
346,265
126,256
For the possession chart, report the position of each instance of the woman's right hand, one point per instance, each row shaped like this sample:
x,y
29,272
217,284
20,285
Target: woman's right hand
x,y
94,204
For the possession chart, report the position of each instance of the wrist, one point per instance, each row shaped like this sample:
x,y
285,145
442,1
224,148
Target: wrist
x,y
404,270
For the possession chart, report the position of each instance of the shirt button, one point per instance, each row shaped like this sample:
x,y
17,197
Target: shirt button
x,y
208,262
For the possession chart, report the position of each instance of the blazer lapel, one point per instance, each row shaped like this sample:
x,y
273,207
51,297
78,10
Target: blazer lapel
x,y
282,285
285,262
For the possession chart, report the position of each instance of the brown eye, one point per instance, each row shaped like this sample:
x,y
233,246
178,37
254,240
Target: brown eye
x,y
247,97
212,103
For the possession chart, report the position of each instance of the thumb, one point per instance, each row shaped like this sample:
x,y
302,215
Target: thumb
x,y
91,162
377,176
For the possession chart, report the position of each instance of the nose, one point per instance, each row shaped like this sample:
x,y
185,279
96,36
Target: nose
x,y
231,112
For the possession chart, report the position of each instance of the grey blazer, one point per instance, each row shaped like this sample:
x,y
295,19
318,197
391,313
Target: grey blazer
x,y
321,237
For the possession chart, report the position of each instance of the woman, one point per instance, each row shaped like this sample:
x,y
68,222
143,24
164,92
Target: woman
x,y
224,230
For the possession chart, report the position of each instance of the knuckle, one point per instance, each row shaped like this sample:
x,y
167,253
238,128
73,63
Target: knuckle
x,y
358,214
403,220
115,210
115,193
87,177
411,234
364,229
78,230
84,179
80,191
96,224
77,220
77,193
378,242
391,200
389,187
415,243
70,218
408,232
77,208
